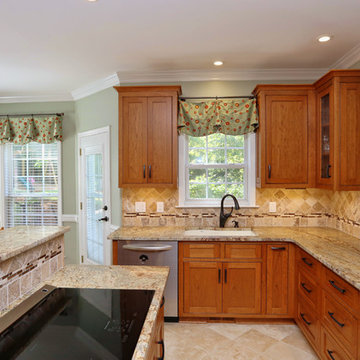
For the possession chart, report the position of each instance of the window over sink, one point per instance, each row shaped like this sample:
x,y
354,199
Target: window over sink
x,y
214,165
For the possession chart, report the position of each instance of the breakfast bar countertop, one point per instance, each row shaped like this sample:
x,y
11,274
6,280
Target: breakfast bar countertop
x,y
333,248
16,240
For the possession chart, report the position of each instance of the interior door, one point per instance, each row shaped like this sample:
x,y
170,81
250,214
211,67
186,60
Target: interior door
x,y
94,190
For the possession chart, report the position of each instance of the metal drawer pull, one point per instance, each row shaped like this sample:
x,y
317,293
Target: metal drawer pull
x,y
150,171
225,276
269,171
303,317
331,314
144,171
305,288
328,171
304,259
278,248
336,287
147,248
330,354
161,342
219,276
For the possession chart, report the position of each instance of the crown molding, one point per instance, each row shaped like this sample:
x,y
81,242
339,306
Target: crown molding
x,y
95,87
349,59
35,98
205,75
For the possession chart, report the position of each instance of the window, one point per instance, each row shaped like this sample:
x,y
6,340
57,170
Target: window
x,y
214,165
31,191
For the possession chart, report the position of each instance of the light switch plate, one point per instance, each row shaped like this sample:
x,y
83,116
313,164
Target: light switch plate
x,y
160,207
272,206
140,206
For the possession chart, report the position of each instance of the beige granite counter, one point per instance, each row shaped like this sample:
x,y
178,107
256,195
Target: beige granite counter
x,y
336,250
115,277
16,240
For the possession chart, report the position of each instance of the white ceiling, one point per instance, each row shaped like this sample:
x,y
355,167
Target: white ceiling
x,y
51,48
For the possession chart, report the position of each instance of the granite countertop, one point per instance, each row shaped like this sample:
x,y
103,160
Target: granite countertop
x,y
336,250
115,277
16,240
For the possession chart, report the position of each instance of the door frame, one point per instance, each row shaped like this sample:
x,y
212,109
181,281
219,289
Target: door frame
x,y
107,194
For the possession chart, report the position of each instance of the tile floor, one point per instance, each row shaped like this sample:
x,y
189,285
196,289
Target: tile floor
x,y
215,341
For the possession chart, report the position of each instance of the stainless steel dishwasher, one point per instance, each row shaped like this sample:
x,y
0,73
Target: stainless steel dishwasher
x,y
155,253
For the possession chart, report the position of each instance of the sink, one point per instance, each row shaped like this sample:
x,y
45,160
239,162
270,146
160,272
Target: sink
x,y
219,233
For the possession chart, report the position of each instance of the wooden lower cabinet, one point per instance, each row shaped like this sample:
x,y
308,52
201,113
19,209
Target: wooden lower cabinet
x,y
331,349
157,346
242,291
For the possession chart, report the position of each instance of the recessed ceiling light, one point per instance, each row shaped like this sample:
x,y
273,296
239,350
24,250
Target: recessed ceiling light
x,y
91,0
218,63
324,38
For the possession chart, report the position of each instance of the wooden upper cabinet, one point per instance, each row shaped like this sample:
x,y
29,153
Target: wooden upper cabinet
x,y
148,135
286,135
338,130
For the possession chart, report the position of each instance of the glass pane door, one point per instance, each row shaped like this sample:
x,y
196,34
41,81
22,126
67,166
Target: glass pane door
x,y
325,136
94,206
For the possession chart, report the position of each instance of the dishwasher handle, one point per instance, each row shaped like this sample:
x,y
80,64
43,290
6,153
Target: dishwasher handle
x,y
148,248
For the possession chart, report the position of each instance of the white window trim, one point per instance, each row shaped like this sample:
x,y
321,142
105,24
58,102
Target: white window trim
x,y
250,182
2,186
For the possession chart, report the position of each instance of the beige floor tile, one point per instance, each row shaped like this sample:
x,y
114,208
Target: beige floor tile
x,y
299,341
255,340
277,332
230,331
283,351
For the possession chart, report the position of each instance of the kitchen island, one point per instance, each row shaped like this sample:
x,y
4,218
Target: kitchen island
x,y
118,277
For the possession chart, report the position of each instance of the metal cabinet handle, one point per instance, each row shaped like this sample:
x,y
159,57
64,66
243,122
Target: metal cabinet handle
x,y
305,288
336,287
306,261
219,276
269,171
225,276
278,248
161,342
330,354
331,314
149,171
147,248
144,171
328,171
303,317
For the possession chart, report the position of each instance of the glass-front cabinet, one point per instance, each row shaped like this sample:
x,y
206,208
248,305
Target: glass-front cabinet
x,y
325,137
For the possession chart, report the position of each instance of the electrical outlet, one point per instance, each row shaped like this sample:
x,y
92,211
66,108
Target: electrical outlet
x,y
272,206
160,207
140,206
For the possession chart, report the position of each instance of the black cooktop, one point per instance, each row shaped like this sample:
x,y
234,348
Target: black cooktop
x,y
67,323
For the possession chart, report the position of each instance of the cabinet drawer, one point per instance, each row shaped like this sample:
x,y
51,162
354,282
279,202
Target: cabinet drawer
x,y
308,288
308,320
202,250
243,251
306,261
341,290
330,349
340,322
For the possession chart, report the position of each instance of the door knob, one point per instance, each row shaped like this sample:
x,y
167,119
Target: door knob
x,y
105,207
105,218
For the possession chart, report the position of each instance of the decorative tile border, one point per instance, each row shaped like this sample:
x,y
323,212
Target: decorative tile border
x,y
23,272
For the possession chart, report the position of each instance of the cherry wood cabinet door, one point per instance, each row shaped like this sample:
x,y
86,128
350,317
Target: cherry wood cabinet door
x,y
242,288
286,133
277,279
160,140
202,284
133,144
349,128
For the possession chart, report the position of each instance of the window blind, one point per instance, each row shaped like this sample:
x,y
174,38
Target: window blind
x,y
31,179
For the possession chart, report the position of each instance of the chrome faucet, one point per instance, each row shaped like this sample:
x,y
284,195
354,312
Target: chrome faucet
x,y
224,217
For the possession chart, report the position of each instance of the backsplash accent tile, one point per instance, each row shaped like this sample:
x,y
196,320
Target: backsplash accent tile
x,y
295,207
21,273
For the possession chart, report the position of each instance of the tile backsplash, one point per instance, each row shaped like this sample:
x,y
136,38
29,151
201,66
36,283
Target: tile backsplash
x,y
295,207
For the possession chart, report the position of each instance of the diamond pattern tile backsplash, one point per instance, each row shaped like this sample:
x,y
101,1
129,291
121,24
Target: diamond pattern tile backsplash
x,y
295,207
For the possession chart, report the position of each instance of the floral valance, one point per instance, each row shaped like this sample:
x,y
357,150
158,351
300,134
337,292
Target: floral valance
x,y
230,117
44,129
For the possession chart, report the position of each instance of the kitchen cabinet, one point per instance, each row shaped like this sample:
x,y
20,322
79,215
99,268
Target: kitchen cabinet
x,y
235,280
338,130
286,135
279,279
148,135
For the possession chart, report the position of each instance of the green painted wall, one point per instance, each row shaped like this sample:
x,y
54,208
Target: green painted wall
x,y
68,161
